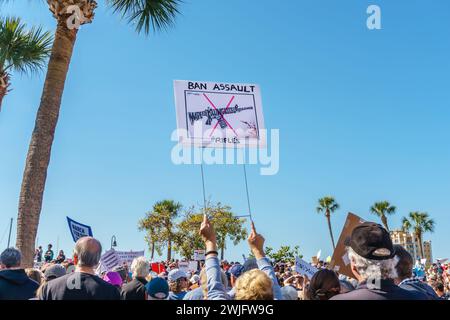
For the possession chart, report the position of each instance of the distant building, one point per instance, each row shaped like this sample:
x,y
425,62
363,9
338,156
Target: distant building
x,y
428,253
407,241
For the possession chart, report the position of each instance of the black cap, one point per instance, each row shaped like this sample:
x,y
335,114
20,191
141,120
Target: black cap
x,y
371,241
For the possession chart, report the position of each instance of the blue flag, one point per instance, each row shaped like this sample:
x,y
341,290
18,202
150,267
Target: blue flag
x,y
78,230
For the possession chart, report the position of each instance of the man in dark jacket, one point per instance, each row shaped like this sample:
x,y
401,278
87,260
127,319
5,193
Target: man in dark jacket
x,y
371,256
14,282
135,289
405,279
83,284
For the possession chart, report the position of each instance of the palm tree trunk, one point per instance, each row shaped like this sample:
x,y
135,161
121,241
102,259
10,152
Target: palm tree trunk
x,y
329,228
38,157
419,237
169,250
2,95
384,221
222,252
4,84
153,251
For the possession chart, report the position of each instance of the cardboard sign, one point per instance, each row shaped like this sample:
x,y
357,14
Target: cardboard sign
x,y
304,268
199,255
340,261
213,114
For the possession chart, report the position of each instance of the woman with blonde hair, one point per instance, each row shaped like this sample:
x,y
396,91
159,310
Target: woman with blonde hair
x,y
259,284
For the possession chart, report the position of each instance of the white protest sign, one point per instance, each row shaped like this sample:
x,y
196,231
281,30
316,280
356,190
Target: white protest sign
x,y
184,266
109,260
199,255
193,266
128,256
213,114
304,268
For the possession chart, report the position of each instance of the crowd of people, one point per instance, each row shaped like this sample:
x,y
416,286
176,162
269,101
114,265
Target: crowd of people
x,y
381,271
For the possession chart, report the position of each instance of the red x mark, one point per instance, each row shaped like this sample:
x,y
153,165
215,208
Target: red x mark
x,y
221,115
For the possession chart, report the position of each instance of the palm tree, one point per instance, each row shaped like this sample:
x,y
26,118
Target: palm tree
x,y
420,223
160,225
328,205
382,209
146,15
23,51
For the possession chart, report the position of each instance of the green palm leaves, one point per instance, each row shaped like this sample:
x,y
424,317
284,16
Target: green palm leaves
x,y
382,209
147,14
22,50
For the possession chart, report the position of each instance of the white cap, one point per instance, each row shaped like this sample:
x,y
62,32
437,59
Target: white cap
x,y
195,279
176,274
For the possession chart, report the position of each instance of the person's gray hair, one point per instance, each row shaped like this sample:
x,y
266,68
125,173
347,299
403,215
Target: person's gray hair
x,y
140,267
89,251
373,269
11,258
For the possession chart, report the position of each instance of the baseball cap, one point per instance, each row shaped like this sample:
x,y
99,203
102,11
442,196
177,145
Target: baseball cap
x,y
176,274
54,271
195,279
250,264
157,288
236,270
371,241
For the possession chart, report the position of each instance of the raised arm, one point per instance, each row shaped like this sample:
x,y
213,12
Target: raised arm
x,y
216,290
256,243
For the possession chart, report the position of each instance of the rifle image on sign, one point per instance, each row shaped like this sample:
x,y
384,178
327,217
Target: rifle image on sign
x,y
211,114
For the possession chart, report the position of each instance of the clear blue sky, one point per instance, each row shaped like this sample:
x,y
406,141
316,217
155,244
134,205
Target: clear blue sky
x,y
363,116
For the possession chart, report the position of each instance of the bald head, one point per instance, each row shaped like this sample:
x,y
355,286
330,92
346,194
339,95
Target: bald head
x,y
88,251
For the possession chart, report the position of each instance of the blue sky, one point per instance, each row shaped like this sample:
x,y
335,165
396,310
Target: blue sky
x,y
363,116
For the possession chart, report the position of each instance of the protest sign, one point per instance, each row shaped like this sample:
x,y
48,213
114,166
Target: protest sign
x,y
109,260
193,266
78,230
340,261
184,266
319,253
304,268
158,267
128,256
212,114
199,255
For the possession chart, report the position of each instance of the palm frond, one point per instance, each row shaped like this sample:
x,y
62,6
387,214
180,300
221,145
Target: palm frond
x,y
147,15
23,50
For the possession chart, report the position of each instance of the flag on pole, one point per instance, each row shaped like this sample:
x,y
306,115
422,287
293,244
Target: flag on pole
x,y
78,230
